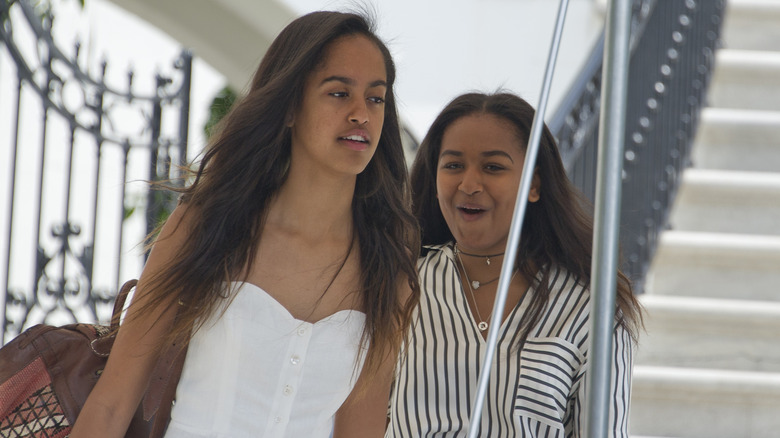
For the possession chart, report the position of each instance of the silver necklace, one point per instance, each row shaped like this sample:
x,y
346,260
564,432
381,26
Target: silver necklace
x,y
476,284
482,325
486,257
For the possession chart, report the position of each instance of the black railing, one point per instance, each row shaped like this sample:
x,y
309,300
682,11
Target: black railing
x,y
76,145
672,58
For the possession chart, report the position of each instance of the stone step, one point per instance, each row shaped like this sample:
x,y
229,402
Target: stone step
x,y
704,403
719,201
716,265
734,139
746,79
710,333
752,25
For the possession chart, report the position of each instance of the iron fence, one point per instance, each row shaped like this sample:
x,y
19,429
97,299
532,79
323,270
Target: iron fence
x,y
75,146
672,59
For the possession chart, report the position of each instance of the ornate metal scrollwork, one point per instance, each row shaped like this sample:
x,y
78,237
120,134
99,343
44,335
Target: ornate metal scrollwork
x,y
672,45
96,133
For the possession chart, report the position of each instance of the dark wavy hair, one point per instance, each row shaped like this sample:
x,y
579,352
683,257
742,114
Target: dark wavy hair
x,y
245,165
557,229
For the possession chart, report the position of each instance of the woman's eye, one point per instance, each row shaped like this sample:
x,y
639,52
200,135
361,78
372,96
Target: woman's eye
x,y
339,94
451,166
377,99
494,168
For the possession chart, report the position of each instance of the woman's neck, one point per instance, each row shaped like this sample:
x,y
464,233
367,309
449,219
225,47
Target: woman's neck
x,y
317,207
479,261
477,269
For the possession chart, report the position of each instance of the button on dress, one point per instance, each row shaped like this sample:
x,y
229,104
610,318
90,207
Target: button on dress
x,y
256,371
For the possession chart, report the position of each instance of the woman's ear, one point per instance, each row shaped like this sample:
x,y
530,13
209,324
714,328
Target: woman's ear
x,y
289,119
536,183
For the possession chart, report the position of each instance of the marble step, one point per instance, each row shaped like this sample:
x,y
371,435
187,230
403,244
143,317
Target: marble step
x,y
752,25
704,403
734,139
718,201
716,265
745,79
710,333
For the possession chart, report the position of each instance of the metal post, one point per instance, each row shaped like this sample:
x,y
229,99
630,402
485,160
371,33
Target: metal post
x,y
607,215
517,224
153,205
185,63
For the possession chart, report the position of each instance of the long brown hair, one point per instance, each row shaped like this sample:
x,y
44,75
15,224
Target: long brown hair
x,y
557,229
246,164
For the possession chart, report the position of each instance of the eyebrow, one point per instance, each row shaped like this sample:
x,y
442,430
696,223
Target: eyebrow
x,y
486,154
350,81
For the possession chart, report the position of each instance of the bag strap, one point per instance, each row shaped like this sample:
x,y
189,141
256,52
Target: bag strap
x,y
119,303
159,399
161,391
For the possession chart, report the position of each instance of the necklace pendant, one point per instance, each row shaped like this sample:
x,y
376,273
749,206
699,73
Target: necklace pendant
x,y
475,284
487,260
482,326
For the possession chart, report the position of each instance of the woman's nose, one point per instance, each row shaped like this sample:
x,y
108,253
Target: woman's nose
x,y
471,183
359,112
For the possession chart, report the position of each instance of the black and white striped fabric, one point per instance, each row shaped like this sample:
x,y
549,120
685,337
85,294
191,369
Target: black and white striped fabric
x,y
537,392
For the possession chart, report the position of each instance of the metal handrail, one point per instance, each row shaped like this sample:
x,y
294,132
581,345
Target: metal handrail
x,y
614,63
672,58
606,224
517,222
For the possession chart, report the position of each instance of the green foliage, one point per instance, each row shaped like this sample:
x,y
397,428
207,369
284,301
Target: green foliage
x,y
164,203
220,106
129,210
158,208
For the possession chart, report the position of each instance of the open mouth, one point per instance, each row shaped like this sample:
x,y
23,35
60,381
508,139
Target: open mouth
x,y
357,138
356,142
471,211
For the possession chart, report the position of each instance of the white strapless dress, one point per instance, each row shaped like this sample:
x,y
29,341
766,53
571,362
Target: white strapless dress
x,y
256,371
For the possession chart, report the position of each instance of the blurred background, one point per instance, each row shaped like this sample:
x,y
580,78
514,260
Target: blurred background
x,y
85,53
97,97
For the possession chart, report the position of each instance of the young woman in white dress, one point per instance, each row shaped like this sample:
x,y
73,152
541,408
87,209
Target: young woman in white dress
x,y
465,180
288,266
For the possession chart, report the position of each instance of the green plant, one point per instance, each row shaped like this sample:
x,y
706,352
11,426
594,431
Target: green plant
x,y
220,106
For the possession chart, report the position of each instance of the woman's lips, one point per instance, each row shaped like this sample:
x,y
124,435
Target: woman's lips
x,y
357,141
470,212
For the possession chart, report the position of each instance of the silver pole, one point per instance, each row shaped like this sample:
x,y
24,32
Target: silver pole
x,y
607,215
517,225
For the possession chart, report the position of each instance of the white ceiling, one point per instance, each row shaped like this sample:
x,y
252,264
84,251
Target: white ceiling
x,y
230,35
441,47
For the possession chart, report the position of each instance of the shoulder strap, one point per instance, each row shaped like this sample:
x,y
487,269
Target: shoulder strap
x,y
119,303
165,377
159,399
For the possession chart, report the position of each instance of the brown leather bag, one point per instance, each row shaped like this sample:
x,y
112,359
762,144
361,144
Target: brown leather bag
x,y
46,374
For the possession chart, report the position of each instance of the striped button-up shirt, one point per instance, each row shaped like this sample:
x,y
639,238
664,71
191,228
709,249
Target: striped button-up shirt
x,y
537,392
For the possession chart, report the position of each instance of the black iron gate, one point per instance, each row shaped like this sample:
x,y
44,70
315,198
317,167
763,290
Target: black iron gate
x,y
78,154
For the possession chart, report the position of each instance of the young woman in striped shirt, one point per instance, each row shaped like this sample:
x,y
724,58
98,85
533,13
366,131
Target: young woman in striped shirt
x,y
465,180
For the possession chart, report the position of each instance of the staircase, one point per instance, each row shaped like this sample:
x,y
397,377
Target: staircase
x,y
709,364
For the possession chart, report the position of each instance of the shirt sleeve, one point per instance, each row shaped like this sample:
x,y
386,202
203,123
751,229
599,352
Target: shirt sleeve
x,y
620,390
622,367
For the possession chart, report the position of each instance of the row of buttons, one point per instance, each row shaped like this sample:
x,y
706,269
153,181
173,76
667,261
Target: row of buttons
x,y
294,360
